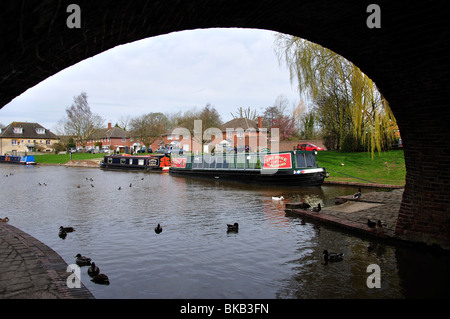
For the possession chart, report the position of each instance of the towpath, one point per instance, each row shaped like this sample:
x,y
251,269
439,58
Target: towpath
x,y
31,270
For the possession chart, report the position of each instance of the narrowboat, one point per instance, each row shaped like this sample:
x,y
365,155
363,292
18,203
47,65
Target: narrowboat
x,y
24,160
135,162
292,168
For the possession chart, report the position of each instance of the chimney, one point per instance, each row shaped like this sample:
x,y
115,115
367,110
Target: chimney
x,y
259,122
109,126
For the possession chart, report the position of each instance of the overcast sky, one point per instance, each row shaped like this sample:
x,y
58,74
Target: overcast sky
x,y
228,68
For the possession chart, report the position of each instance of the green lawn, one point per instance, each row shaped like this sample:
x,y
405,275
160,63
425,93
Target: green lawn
x,y
64,158
384,168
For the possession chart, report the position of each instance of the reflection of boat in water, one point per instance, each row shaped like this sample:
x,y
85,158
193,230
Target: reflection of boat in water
x,y
25,160
293,168
136,162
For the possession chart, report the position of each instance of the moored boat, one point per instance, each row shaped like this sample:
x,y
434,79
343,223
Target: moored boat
x,y
24,160
135,162
292,168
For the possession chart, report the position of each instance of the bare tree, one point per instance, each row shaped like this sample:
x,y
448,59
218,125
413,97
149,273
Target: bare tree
x,y
80,121
148,127
245,113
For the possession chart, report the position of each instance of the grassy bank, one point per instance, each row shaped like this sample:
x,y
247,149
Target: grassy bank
x,y
64,158
384,168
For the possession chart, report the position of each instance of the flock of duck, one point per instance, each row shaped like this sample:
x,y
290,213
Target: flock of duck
x,y
99,278
93,271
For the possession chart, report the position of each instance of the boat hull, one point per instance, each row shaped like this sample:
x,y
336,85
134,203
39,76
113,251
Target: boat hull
x,y
255,176
139,163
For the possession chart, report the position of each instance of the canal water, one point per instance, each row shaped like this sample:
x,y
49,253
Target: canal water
x,y
271,256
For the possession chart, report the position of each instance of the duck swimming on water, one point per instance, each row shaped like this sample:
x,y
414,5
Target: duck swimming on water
x,y
82,260
67,229
93,270
101,279
233,227
62,234
158,229
332,256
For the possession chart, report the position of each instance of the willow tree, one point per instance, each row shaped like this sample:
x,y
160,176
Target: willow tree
x,y
348,102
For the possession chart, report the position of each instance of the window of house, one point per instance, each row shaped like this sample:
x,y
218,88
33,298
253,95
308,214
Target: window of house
x,y
17,130
14,142
124,139
40,130
47,142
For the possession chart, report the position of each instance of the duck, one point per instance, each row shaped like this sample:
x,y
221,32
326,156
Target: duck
x,y
380,224
67,229
119,188
4,220
62,234
93,270
158,229
233,227
101,279
277,198
332,256
371,224
316,209
82,260
130,184
357,194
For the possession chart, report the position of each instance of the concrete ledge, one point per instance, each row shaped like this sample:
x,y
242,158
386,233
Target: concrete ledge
x,y
29,269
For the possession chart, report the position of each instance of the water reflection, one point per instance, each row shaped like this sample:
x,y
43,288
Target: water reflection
x,y
271,256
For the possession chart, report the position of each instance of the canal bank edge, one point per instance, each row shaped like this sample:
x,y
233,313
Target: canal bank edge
x,y
29,269
350,214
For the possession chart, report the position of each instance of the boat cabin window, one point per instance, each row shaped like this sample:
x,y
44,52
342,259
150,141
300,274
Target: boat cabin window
x,y
109,160
198,163
123,161
305,160
140,162
209,162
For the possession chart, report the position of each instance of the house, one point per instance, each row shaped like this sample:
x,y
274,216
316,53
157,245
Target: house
x,y
113,138
238,133
20,138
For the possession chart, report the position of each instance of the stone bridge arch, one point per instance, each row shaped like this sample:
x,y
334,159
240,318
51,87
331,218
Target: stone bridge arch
x,y
407,57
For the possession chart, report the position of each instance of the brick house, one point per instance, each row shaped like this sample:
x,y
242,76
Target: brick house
x,y
19,138
240,132
237,132
113,138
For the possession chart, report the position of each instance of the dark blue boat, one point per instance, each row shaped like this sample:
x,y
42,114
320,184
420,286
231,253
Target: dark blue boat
x,y
25,160
136,162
